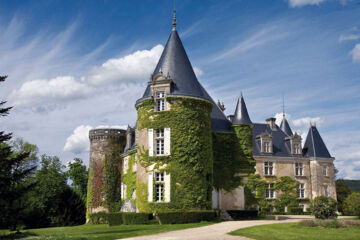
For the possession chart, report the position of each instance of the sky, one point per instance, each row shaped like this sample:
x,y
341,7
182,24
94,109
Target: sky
x,y
77,65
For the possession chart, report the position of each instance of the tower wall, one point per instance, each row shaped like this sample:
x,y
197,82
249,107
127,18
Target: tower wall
x,y
106,146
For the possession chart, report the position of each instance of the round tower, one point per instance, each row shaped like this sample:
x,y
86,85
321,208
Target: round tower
x,y
106,146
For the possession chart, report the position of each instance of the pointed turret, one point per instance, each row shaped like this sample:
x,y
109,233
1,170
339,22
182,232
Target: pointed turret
x,y
314,145
285,127
175,64
241,113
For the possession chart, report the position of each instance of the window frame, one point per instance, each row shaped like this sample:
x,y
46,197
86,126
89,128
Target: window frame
x,y
269,191
326,190
160,101
160,142
269,167
325,170
300,191
299,169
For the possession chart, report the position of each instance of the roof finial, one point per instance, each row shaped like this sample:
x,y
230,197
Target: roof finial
x,y
283,106
174,19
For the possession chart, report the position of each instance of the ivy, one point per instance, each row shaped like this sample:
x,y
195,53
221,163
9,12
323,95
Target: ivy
x,y
190,164
130,177
90,192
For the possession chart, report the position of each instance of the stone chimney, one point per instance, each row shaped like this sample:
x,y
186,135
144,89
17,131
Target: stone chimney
x,y
271,122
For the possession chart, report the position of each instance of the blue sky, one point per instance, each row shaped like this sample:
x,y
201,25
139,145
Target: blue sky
x,y
75,65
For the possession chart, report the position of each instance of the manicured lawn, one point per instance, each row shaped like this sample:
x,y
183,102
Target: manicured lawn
x,y
100,232
295,231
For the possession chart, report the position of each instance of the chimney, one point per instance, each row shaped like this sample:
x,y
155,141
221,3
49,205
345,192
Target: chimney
x,y
271,122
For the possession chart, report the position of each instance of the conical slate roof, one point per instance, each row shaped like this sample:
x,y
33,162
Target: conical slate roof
x,y
175,62
241,114
314,145
285,127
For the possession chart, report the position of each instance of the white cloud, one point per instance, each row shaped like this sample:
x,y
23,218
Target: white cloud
x,y
134,68
355,53
47,92
198,71
349,37
78,141
301,3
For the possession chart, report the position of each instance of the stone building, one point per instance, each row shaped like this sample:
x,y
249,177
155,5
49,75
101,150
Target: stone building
x,y
184,153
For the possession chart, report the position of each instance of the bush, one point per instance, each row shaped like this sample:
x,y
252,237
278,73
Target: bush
x,y
128,218
98,218
295,211
174,217
323,207
242,214
351,205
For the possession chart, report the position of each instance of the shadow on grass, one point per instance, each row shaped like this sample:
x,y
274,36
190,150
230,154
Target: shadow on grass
x,y
110,232
17,235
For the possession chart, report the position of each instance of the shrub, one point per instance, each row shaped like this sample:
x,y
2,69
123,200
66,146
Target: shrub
x,y
128,218
295,211
242,214
186,217
323,207
98,218
351,205
309,223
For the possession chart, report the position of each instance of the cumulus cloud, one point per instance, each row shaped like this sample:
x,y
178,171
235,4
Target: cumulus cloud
x,y
301,3
135,67
198,71
355,53
78,141
51,91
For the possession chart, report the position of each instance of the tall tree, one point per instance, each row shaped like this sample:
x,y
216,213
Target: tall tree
x,y
342,191
79,176
14,170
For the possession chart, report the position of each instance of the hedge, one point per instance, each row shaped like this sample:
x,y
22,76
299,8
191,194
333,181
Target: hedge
x,y
242,214
98,218
174,217
129,218
295,211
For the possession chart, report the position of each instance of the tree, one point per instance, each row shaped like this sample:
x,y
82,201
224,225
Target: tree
x,y
79,176
342,191
14,170
323,207
288,196
351,204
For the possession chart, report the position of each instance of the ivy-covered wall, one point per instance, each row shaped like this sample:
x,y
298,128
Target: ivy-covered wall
x,y
130,177
190,164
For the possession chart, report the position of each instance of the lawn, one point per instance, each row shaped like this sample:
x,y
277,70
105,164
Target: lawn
x,y
99,232
296,231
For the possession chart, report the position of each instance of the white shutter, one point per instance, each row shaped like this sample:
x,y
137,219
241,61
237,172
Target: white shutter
x,y
167,141
150,186
151,142
167,187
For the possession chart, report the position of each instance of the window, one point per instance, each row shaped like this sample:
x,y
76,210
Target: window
x,y
159,186
326,190
325,170
299,169
301,190
269,191
102,197
297,148
302,207
160,102
269,169
160,142
267,147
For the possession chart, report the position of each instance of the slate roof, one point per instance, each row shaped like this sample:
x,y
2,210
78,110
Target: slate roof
x,y
175,62
285,127
314,145
241,114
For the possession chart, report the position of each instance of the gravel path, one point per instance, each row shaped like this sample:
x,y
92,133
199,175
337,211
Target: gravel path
x,y
212,232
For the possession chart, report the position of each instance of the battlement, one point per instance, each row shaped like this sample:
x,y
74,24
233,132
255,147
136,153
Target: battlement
x,y
106,133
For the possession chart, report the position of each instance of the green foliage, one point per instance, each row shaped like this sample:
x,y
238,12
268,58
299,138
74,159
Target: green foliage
x,y
354,185
351,204
245,152
98,218
176,217
191,161
288,196
323,207
112,177
130,177
227,161
342,191
243,214
20,146
90,191
129,218
79,176
295,210
255,192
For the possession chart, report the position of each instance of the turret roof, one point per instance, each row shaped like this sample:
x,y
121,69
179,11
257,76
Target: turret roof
x,y
285,127
241,114
314,145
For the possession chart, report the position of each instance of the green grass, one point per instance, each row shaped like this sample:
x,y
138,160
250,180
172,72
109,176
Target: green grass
x,y
99,232
296,231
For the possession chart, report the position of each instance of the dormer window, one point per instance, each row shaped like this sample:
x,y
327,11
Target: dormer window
x,y
297,148
295,142
160,101
266,143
